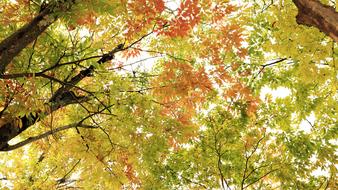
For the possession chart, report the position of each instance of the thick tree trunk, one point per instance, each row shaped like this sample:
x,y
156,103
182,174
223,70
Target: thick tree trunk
x,y
314,13
14,44
10,47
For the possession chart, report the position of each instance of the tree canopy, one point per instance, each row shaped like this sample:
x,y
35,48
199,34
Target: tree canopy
x,y
154,94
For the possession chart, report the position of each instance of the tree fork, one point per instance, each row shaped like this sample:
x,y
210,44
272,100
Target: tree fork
x,y
61,98
314,13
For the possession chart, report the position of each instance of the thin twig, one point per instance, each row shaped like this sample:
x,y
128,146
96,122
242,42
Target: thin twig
x,y
267,65
247,158
31,55
63,179
260,178
162,53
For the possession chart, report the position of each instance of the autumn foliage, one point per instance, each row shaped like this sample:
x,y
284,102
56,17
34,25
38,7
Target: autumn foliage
x,y
154,94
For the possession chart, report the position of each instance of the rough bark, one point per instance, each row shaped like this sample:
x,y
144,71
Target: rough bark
x,y
314,13
10,47
15,43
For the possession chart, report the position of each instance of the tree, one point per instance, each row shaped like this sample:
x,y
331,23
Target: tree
x,y
80,110
314,13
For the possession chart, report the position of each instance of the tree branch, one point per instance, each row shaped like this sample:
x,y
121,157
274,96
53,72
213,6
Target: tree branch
x,y
247,158
161,53
62,97
267,65
314,13
15,43
260,178
44,135
185,178
71,83
63,179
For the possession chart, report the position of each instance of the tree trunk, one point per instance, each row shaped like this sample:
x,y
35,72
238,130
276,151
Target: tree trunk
x,y
314,13
10,47
15,43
